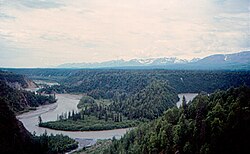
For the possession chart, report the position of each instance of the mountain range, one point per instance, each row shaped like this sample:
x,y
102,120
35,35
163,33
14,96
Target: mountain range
x,y
240,60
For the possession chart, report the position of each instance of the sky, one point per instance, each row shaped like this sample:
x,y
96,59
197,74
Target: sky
x,y
46,33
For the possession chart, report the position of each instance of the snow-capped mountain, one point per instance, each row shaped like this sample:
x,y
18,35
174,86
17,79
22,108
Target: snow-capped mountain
x,y
123,63
239,60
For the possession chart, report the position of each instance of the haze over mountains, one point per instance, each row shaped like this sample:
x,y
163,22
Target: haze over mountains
x,y
240,60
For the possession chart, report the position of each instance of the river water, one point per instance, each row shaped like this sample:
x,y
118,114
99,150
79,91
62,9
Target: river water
x,y
65,103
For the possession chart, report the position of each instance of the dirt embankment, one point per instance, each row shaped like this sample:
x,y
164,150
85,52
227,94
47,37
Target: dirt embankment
x,y
30,83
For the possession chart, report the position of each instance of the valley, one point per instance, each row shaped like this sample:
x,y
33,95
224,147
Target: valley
x,y
99,105
124,77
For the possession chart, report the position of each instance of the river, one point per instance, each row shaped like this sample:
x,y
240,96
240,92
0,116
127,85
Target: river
x,y
65,103
68,102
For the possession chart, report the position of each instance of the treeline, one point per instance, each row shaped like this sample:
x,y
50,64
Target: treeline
x,y
218,123
148,103
89,124
59,89
89,107
21,100
114,83
49,74
54,144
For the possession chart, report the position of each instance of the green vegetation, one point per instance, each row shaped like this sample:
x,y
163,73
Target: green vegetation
x,y
55,143
147,104
44,73
21,101
88,124
52,89
218,123
14,138
85,101
95,115
13,78
111,84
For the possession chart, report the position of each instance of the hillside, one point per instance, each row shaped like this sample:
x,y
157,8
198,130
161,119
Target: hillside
x,y
16,80
20,101
14,138
149,102
218,123
121,83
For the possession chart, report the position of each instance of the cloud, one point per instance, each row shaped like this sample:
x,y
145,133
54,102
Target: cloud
x,y
50,32
233,6
5,16
33,4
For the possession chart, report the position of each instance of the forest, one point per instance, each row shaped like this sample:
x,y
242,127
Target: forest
x,y
112,83
216,123
212,123
147,104
22,101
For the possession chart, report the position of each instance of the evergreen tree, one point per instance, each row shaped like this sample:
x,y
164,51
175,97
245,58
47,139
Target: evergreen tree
x,y
40,120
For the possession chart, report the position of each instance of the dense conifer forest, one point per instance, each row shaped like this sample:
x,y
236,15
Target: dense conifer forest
x,y
111,83
146,104
216,123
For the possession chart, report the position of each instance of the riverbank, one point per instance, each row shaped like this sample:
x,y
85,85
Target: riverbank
x,y
65,103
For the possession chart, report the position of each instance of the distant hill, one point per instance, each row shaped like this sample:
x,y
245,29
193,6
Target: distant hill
x,y
109,83
239,60
123,63
233,61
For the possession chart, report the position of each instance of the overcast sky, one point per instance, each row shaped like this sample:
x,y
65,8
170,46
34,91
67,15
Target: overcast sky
x,y
45,33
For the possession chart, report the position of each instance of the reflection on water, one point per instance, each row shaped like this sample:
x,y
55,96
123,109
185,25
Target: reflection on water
x,y
65,103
